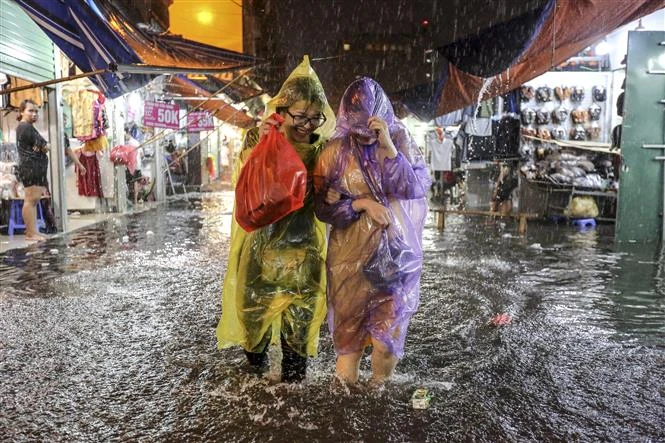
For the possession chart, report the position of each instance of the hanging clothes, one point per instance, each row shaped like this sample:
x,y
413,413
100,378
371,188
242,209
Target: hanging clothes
x,y
89,185
441,148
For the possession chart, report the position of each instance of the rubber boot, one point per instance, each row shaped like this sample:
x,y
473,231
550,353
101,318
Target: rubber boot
x,y
294,366
258,361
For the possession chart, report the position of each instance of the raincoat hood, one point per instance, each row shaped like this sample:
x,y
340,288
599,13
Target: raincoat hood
x,y
364,98
288,95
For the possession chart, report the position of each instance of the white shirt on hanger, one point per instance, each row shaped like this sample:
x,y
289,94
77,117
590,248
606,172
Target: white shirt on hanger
x,y
441,159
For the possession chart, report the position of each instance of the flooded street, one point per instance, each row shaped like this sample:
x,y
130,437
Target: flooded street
x,y
109,340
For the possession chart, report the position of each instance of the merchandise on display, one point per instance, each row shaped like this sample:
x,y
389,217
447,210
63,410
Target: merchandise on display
x,y
599,93
593,131
577,94
542,117
594,112
528,116
544,133
578,133
527,93
543,94
579,116
560,114
562,93
559,133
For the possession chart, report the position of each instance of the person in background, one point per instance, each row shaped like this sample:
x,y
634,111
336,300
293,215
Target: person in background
x,y
505,184
371,184
32,166
274,287
70,153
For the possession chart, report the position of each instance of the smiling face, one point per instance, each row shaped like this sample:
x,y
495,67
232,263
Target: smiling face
x,y
301,119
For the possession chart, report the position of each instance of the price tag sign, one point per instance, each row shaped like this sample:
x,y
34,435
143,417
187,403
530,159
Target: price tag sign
x,y
200,121
161,115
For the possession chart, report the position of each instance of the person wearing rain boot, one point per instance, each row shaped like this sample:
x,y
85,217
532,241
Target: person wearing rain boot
x,y
374,258
274,287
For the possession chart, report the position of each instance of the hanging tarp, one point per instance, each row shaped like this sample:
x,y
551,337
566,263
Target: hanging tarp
x,y
180,85
95,35
564,29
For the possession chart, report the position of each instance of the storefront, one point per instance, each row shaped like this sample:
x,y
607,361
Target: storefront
x,y
555,140
28,56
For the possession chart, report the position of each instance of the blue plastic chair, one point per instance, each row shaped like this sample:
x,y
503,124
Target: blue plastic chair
x,y
584,223
16,217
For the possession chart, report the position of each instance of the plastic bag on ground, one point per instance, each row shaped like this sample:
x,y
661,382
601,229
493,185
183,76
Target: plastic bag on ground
x,y
582,207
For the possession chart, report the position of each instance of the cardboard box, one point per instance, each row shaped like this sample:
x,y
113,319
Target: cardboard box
x,y
420,399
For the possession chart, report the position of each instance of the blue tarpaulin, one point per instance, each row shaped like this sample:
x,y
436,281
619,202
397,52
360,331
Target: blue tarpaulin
x,y
95,35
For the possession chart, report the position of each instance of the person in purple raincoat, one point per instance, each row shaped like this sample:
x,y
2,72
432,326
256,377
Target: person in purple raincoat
x,y
371,184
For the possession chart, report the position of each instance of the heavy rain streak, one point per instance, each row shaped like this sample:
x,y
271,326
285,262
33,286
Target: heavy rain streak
x,y
556,333
109,340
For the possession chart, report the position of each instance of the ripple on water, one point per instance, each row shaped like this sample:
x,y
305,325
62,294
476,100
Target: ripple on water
x,y
115,341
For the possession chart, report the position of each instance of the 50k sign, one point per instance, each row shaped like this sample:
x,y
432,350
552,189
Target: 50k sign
x,y
161,115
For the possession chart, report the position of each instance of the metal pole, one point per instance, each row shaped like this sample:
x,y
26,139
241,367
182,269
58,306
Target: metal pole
x,y
52,82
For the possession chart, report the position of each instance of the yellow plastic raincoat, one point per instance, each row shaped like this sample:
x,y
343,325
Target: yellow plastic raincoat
x,y
275,282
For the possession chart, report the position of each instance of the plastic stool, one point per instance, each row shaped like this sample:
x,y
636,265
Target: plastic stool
x,y
16,217
585,222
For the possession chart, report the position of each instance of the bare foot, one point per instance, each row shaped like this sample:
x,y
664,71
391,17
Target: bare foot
x,y
35,237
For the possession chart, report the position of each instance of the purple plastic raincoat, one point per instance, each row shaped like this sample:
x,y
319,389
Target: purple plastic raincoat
x,y
359,307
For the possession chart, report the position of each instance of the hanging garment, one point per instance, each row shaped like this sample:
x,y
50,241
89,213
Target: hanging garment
x,y
96,144
479,126
89,185
507,137
81,102
441,150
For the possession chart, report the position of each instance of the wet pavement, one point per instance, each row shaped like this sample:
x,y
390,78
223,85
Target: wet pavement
x,y
107,334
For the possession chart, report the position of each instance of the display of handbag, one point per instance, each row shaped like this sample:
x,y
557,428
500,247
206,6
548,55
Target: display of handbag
x,y
562,93
599,93
542,117
272,182
544,94
594,112
560,114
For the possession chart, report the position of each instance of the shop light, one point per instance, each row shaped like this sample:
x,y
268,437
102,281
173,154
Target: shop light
x,y
603,48
204,17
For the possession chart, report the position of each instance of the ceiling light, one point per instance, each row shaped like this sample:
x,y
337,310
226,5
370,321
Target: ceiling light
x,y
603,48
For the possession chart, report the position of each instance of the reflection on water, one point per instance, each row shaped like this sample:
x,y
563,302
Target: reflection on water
x,y
102,339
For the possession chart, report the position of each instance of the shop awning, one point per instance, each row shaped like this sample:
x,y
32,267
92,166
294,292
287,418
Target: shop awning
x,y
563,29
234,87
95,35
180,85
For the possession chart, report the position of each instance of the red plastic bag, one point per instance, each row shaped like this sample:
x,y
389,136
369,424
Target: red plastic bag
x,y
272,182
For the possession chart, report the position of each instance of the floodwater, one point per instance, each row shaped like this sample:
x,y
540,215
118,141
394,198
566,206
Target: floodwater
x,y
105,340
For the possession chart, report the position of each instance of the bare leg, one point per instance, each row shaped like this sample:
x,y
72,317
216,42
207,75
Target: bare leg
x,y
383,363
32,196
348,366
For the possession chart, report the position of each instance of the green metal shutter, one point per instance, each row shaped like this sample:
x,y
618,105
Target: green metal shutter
x,y
25,50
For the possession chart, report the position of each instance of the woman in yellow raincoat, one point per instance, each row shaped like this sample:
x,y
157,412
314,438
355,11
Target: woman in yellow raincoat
x,y
274,288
